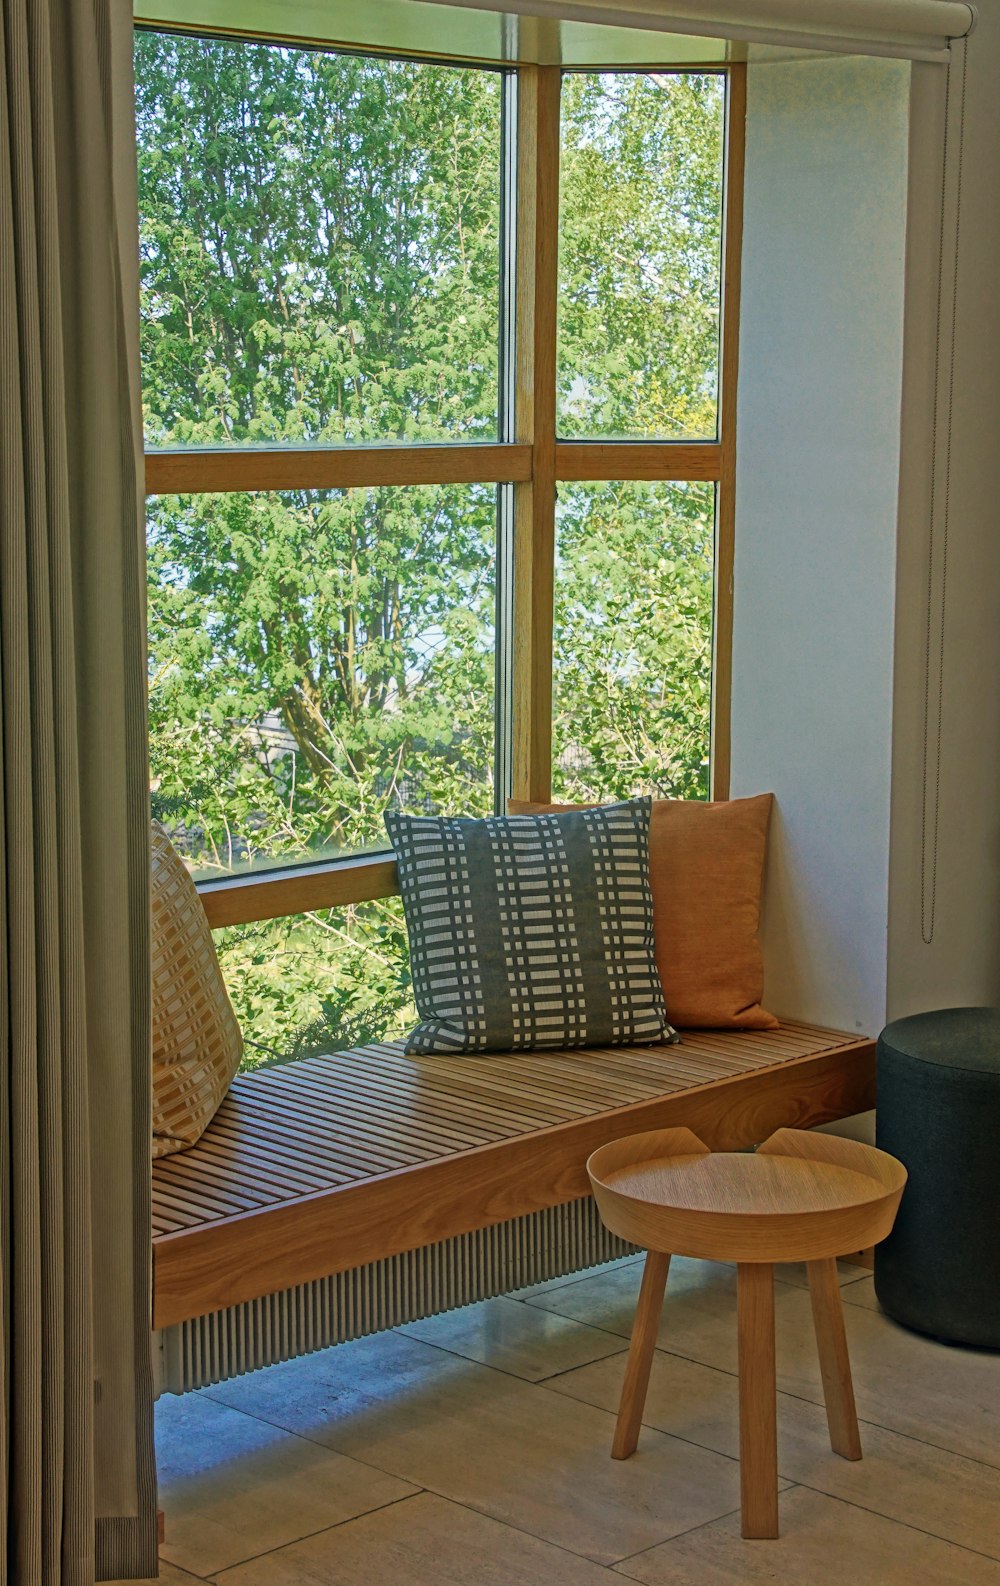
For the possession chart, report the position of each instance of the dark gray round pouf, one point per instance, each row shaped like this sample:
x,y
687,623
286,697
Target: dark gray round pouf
x,y
939,1113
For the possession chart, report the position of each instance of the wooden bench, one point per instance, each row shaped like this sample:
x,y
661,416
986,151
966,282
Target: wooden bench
x,y
331,1163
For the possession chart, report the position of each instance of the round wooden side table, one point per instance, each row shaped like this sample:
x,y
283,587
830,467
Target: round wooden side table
x,y
800,1197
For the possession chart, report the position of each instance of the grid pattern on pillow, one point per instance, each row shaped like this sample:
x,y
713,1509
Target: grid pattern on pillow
x,y
530,931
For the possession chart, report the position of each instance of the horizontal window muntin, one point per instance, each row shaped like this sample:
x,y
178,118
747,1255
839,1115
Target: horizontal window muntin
x,y
184,470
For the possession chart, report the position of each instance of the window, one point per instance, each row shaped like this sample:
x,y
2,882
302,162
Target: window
x,y
640,254
439,472
320,981
632,663
316,656
320,245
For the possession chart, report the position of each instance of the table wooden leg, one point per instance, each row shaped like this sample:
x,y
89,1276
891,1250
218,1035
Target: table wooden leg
x,y
640,1354
834,1361
758,1401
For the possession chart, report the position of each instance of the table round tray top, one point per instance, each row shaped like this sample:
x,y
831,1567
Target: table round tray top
x,y
800,1197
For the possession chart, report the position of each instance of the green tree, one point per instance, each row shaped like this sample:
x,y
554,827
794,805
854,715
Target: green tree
x,y
320,261
640,254
633,656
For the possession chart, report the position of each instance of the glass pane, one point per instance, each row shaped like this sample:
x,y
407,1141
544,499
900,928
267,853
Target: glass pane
x,y
640,254
320,244
633,640
315,657
320,982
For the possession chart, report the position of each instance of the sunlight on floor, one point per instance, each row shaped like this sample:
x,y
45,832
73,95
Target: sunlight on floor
x,y
473,1450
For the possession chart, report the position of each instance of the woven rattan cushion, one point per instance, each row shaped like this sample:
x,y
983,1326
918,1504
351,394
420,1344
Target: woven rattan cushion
x,y
197,1044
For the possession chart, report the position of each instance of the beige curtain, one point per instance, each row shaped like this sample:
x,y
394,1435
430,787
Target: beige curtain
x,y
78,1492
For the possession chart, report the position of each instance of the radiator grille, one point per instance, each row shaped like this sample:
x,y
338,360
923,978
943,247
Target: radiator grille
x,y
404,1288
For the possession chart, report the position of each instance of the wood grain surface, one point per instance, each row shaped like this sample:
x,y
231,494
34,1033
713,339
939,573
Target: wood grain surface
x,y
640,1354
834,1360
801,1197
195,469
758,1402
322,1165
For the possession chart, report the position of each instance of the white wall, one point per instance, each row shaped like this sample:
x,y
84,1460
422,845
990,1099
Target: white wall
x,y
961,962
817,480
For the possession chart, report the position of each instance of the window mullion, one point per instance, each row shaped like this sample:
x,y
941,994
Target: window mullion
x,y
535,409
503,781
722,627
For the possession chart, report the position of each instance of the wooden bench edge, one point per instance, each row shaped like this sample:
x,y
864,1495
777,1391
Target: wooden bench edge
x,y
250,1254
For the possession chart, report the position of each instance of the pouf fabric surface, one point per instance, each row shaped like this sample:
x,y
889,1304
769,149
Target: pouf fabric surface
x,y
939,1113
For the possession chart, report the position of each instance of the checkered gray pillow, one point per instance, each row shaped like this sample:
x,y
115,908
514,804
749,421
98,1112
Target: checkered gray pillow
x,y
530,930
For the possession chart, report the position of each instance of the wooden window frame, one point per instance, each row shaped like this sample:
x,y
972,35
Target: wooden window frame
x,y
530,460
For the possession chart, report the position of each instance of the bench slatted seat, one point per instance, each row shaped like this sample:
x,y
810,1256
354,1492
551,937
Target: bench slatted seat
x,y
323,1165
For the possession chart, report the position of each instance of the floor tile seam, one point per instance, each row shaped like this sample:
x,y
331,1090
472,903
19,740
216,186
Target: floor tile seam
x,y
434,1491
819,1492
816,1404
894,1431
595,1326
658,1349
675,1437
921,1530
314,1442
309,1536
797,1481
329,1448
923,1442
520,1530
542,1383
690,1530
792,1483
501,1371
189,1574
859,1305
403,1331
562,1397
650,1426
585,1275
779,1284
938,1448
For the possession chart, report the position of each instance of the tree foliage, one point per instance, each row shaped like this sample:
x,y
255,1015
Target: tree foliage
x,y
320,261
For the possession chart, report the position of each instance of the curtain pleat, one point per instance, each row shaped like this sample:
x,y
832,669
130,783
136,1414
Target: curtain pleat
x,y
78,1496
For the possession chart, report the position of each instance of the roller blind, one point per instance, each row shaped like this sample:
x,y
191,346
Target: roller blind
x,y
909,29
589,32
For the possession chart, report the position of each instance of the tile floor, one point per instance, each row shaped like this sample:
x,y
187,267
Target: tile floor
x,y
472,1450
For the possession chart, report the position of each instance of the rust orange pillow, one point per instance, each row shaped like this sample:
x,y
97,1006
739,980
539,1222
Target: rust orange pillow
x,y
706,870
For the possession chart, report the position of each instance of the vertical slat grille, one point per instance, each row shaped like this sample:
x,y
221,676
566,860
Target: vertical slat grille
x,y
369,1299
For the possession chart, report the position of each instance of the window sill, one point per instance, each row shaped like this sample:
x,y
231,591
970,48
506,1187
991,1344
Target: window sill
x,y
275,894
